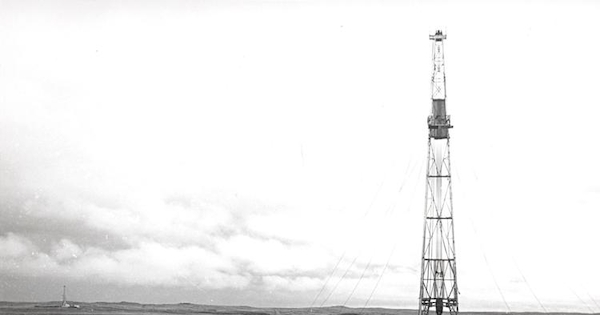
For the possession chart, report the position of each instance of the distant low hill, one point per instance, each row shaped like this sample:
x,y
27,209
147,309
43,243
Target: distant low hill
x,y
127,308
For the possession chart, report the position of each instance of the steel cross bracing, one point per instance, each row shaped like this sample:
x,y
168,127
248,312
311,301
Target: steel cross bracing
x,y
438,266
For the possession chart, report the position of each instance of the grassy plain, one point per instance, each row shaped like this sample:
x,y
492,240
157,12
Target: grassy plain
x,y
126,308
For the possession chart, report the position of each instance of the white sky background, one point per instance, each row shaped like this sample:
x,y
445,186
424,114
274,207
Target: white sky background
x,y
232,152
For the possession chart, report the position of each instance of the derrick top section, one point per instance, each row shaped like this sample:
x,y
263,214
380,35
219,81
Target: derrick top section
x,y
438,77
438,36
438,121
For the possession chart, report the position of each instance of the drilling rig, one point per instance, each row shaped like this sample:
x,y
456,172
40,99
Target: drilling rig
x,y
438,262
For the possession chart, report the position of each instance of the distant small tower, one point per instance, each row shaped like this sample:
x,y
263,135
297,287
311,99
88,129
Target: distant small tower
x,y
64,299
438,264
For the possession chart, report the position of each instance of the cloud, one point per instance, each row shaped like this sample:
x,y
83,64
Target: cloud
x,y
155,264
272,256
14,246
297,284
178,240
66,250
22,257
147,264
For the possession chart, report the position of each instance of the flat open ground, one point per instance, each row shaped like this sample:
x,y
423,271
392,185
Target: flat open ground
x,y
124,308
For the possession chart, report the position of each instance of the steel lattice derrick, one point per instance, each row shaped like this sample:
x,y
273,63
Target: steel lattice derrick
x,y
438,266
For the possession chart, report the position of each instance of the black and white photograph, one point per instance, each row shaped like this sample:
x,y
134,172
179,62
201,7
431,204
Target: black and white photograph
x,y
299,157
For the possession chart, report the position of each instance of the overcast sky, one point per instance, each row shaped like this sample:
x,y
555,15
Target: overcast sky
x,y
229,152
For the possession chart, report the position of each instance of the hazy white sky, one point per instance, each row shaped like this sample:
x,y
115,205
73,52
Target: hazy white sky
x,y
231,152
